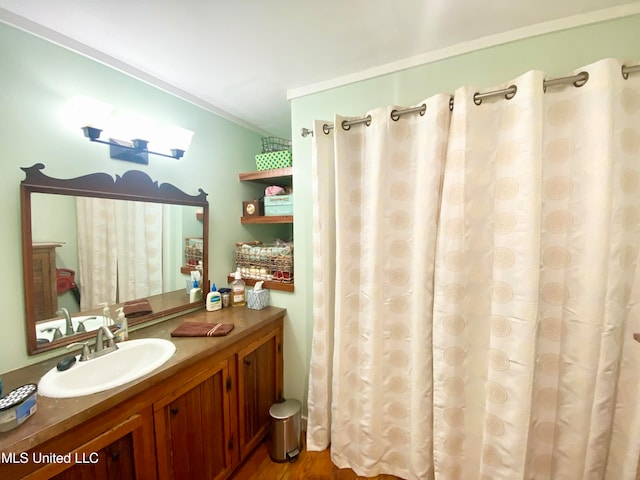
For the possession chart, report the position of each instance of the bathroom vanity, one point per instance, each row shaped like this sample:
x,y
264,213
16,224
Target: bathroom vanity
x,y
197,416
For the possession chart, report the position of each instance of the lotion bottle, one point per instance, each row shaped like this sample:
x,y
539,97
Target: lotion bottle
x,y
237,291
214,299
122,333
196,293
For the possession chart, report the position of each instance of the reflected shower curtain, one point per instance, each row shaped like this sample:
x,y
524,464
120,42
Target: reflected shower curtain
x,y
97,252
524,367
139,234
119,250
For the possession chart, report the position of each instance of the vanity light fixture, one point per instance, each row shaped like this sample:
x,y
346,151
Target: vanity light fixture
x,y
134,151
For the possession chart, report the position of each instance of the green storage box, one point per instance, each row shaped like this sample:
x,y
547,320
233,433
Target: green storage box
x,y
278,205
268,161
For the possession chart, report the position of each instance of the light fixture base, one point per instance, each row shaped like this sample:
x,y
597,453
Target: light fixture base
x,y
91,133
135,151
122,151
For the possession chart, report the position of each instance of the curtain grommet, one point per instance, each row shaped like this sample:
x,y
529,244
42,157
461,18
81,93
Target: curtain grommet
x,y
585,78
513,89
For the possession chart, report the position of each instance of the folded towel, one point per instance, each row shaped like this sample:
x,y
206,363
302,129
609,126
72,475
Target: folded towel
x,y
197,329
137,308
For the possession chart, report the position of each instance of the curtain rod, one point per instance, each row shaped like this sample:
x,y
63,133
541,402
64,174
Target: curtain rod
x,y
577,80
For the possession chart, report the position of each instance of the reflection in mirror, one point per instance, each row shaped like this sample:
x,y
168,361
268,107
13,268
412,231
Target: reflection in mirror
x,y
89,255
111,251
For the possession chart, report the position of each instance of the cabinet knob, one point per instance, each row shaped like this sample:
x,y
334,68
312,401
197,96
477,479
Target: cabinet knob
x,y
247,362
115,455
174,410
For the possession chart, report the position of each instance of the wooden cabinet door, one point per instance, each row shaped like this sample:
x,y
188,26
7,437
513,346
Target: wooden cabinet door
x,y
113,462
259,387
193,438
122,452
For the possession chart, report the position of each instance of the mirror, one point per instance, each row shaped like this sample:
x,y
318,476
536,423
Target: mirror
x,y
94,240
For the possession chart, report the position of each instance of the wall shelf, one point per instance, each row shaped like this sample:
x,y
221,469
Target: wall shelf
x,y
281,176
266,219
276,176
250,282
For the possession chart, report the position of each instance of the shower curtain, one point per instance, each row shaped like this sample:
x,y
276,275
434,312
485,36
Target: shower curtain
x,y
476,280
119,249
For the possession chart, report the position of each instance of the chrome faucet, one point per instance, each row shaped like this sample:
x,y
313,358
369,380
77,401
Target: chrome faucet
x,y
67,319
103,334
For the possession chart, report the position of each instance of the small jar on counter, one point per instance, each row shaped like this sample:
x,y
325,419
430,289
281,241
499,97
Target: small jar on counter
x,y
225,294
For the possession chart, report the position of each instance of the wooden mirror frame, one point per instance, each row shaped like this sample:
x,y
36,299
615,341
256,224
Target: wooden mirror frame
x,y
132,185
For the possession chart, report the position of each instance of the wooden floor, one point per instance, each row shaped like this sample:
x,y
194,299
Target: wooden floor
x,y
308,466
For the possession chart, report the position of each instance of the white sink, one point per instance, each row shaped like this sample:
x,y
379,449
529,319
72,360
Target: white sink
x,y
132,360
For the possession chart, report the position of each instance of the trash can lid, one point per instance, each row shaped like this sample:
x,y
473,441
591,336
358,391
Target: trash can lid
x,y
286,409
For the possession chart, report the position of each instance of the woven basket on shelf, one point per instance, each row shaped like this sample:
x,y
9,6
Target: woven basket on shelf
x,y
273,262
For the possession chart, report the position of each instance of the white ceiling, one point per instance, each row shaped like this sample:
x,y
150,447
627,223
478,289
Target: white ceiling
x,y
241,57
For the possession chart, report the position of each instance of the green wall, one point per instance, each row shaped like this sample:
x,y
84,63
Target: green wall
x,y
557,54
37,79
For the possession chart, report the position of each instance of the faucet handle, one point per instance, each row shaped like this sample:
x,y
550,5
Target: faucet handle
x,y
85,349
57,334
81,328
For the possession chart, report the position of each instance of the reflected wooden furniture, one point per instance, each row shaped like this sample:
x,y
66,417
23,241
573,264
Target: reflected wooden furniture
x,y
198,416
44,280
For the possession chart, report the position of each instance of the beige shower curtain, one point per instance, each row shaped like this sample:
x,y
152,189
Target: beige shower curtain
x,y
119,249
484,333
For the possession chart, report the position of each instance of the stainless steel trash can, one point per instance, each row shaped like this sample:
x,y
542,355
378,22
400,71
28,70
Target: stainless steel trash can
x,y
285,441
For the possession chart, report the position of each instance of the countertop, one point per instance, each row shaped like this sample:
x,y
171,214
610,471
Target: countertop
x,y
54,416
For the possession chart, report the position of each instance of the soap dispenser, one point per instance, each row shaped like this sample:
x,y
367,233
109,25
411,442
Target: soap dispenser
x,y
237,291
107,321
122,333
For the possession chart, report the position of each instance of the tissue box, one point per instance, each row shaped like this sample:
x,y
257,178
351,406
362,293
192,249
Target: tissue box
x,y
257,299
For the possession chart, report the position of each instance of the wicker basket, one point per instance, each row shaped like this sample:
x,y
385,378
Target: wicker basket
x,y
193,247
275,144
273,262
